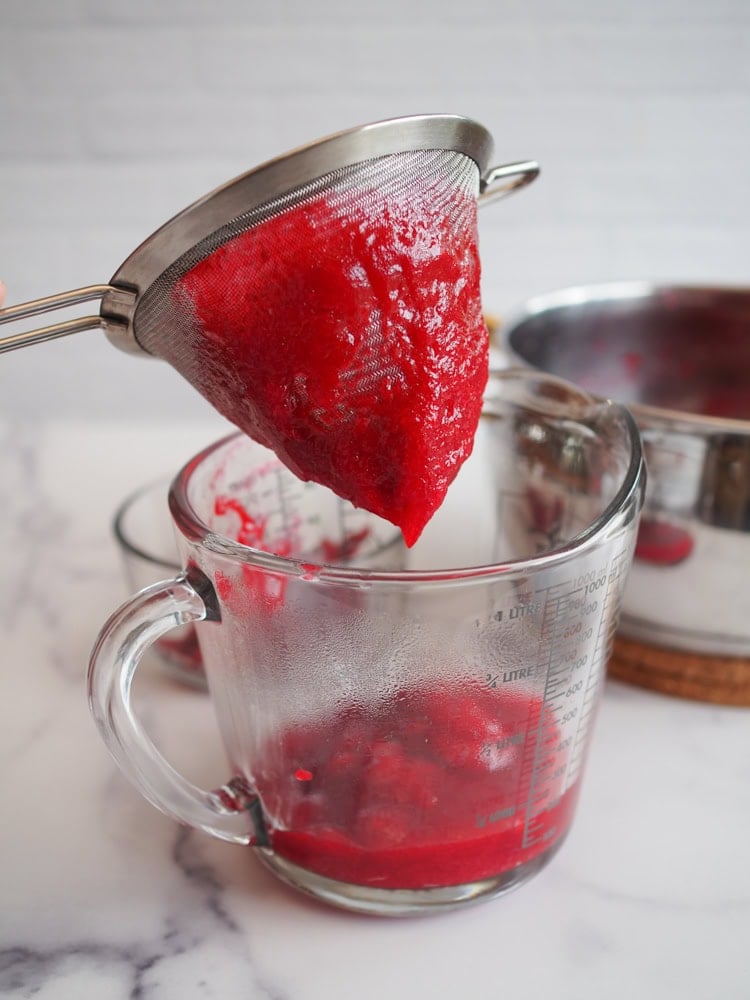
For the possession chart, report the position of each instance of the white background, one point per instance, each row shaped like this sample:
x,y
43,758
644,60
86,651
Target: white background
x,y
114,116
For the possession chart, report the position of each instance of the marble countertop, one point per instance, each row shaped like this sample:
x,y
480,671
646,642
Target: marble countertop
x,y
104,897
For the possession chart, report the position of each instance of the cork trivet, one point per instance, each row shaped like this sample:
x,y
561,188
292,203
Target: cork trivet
x,y
722,680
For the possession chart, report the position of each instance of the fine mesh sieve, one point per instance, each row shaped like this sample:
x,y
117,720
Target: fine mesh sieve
x,y
438,158
444,183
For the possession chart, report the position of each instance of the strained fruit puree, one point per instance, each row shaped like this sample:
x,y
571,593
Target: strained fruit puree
x,y
350,340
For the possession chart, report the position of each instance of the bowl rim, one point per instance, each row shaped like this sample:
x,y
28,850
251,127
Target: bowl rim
x,y
618,291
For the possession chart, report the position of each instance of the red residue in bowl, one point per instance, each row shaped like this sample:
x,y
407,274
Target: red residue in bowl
x,y
662,543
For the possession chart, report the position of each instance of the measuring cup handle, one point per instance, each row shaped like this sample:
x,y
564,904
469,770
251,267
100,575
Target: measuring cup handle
x,y
501,181
121,644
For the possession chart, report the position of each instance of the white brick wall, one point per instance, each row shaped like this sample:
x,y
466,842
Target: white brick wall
x,y
113,116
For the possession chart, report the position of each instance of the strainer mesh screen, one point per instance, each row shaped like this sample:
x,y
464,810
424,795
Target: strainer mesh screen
x,y
303,318
447,180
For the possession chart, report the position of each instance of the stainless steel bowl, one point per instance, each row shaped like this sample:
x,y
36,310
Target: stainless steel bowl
x,y
680,358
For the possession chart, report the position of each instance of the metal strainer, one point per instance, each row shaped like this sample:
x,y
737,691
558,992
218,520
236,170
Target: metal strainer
x,y
446,155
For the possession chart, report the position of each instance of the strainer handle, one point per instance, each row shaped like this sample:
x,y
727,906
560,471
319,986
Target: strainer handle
x,y
501,181
496,183
50,304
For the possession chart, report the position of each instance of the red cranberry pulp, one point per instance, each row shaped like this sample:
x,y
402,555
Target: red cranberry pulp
x,y
348,337
437,787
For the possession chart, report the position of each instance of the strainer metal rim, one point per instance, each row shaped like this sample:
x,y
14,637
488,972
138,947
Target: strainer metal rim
x,y
252,192
291,170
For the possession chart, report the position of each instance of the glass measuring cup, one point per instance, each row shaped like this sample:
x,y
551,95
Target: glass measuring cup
x,y
402,738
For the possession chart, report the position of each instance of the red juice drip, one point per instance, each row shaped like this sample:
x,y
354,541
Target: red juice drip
x,y
430,789
251,530
336,552
350,341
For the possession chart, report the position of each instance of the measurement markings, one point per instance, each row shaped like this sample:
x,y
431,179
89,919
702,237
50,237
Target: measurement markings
x,y
558,677
587,709
552,621
536,769
604,633
561,680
